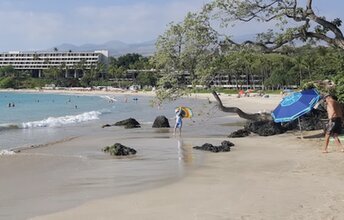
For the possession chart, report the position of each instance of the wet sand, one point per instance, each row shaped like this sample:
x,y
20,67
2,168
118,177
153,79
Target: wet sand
x,y
58,176
278,177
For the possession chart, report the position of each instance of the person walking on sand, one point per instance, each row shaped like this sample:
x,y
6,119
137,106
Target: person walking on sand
x,y
179,121
334,126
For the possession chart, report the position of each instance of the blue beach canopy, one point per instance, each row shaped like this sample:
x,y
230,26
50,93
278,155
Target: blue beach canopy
x,y
295,105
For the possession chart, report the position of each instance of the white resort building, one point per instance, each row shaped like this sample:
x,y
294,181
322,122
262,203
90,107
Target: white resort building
x,y
73,62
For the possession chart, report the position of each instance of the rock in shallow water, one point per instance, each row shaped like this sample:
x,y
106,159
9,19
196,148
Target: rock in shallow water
x,y
161,122
128,123
106,125
224,147
119,150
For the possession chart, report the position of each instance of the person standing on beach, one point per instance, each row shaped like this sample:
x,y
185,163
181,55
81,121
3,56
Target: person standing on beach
x,y
334,126
179,121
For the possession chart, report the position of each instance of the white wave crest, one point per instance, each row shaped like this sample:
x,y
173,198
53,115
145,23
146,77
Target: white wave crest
x,y
6,152
110,98
64,120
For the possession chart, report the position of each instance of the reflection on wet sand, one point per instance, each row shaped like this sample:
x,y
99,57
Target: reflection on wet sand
x,y
185,156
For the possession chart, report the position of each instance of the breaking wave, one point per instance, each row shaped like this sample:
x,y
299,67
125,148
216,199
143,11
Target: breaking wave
x,y
109,98
64,120
6,152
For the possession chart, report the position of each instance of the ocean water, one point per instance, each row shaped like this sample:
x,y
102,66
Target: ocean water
x,y
28,119
31,108
39,118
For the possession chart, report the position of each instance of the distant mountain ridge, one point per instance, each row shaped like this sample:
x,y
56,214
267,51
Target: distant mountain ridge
x,y
118,48
115,48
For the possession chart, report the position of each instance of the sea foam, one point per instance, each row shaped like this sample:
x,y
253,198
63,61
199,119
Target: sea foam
x,y
64,120
110,98
6,152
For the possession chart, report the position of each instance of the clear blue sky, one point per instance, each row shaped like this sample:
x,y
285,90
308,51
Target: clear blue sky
x,y
41,24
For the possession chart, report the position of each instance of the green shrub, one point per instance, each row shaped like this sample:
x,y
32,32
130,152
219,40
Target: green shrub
x,y
7,82
339,89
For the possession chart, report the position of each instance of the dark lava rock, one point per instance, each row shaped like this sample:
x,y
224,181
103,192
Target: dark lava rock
x,y
106,125
161,122
224,147
240,133
119,150
314,120
265,128
225,144
128,123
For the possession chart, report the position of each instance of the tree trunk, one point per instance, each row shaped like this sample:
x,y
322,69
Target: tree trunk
x,y
242,114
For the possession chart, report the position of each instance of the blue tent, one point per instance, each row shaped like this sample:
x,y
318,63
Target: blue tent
x,y
295,105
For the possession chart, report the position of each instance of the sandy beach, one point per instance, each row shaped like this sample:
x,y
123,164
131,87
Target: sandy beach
x,y
277,177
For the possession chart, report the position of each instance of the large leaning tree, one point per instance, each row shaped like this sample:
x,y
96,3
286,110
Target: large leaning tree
x,y
184,54
293,21
199,44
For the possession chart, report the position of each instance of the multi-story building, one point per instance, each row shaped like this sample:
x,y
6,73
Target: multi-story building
x,y
36,62
239,81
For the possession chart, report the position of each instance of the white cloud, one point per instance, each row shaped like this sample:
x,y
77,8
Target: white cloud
x,y
25,30
131,23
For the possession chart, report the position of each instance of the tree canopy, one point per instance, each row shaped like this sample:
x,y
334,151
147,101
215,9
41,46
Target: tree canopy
x,y
292,20
196,51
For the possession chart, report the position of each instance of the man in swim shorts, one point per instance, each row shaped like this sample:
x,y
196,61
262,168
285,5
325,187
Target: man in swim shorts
x,y
334,126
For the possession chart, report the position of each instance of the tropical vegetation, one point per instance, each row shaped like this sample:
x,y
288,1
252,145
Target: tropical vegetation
x,y
302,47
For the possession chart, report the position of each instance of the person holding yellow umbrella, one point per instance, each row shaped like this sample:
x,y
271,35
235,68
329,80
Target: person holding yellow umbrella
x,y
181,112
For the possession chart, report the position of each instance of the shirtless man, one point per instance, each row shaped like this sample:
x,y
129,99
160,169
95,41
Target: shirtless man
x,y
334,125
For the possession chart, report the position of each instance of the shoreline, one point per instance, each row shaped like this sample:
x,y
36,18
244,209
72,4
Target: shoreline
x,y
276,177
15,126
294,181
72,160
35,146
72,91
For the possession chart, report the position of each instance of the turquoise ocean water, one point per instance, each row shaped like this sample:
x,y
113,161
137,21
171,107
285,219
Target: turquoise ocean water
x,y
42,118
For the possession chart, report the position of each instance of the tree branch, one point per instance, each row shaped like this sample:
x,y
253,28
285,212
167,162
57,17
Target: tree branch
x,y
319,36
337,32
269,10
241,114
309,4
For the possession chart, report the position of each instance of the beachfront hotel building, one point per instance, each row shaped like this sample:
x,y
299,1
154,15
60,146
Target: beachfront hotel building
x,y
36,62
